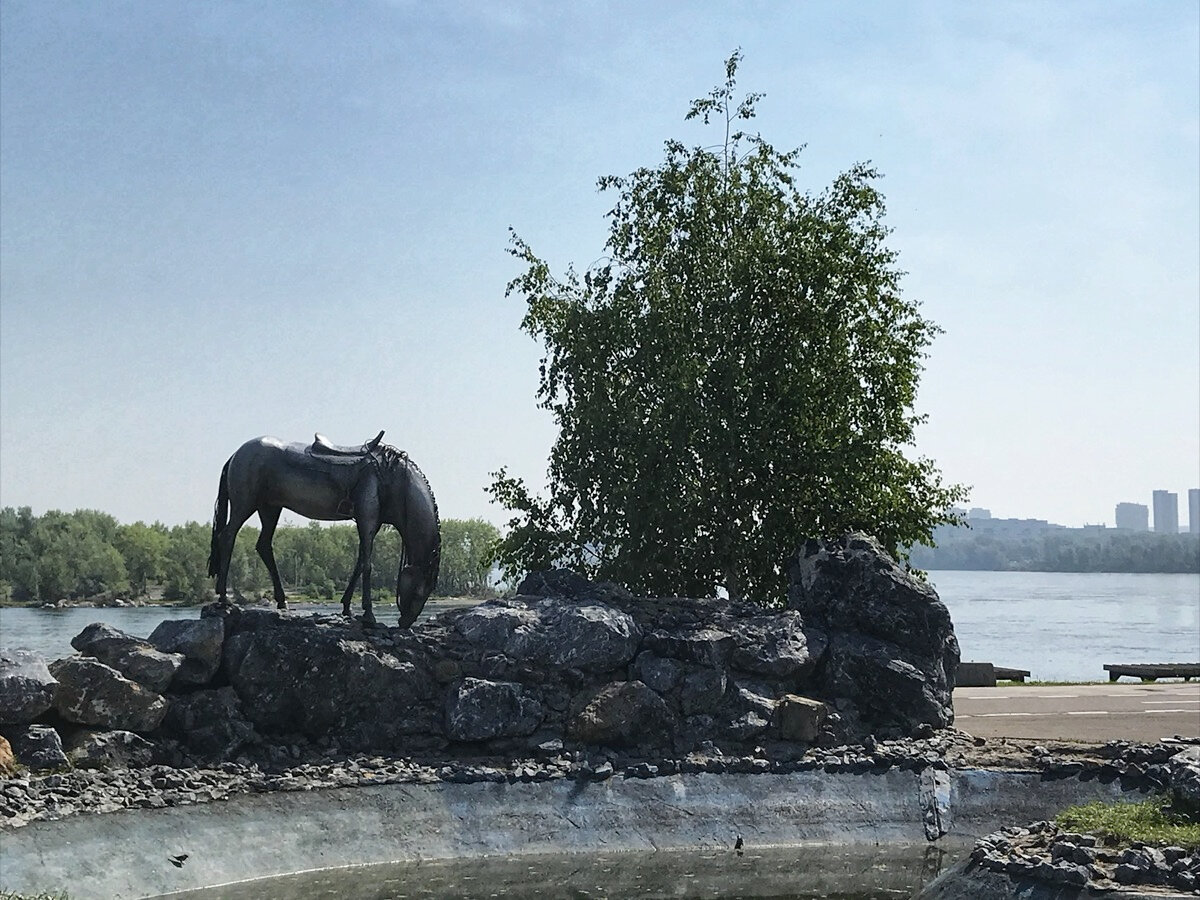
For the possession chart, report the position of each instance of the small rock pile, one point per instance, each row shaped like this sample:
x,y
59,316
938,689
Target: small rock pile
x,y
1046,853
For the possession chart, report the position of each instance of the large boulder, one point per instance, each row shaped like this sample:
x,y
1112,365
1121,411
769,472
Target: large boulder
x,y
91,693
559,633
621,714
479,710
892,649
26,687
133,657
199,640
315,680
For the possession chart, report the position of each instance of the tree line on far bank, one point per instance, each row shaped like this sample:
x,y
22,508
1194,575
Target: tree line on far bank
x,y
1061,550
87,553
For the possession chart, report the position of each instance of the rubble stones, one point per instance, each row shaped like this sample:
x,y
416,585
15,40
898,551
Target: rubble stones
x,y
1044,852
26,687
91,693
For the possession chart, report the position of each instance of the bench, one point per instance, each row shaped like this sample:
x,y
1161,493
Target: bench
x,y
984,674
1153,671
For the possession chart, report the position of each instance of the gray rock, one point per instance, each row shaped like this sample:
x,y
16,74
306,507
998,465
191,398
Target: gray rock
x,y
699,644
800,718
91,693
26,687
109,749
199,640
886,684
621,714
133,657
701,690
777,645
38,747
892,648
1183,771
210,723
479,710
656,672
316,681
552,632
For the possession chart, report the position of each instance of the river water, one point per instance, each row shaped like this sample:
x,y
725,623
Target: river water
x,y
851,872
1065,626
1060,626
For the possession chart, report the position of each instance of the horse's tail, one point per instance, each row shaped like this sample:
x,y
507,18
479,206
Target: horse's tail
x,y
220,517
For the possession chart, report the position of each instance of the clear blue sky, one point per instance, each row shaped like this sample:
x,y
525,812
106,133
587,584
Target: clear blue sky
x,y
220,220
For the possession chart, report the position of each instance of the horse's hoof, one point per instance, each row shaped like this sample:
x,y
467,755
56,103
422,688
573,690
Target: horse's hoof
x,y
281,604
368,620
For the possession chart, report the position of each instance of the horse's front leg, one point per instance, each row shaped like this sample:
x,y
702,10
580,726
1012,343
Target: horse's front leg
x,y
366,543
349,594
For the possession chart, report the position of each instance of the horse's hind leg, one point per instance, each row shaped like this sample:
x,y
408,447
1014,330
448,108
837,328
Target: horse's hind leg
x,y
349,594
269,517
225,541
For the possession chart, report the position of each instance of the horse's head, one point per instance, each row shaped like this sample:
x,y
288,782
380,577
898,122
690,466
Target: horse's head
x,y
413,586
413,510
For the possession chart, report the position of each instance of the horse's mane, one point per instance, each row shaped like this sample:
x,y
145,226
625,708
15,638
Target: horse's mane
x,y
390,459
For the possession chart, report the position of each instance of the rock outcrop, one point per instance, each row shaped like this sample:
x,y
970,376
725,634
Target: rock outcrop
x,y
862,649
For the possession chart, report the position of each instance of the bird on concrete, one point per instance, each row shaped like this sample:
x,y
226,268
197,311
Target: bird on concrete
x,y
738,845
178,861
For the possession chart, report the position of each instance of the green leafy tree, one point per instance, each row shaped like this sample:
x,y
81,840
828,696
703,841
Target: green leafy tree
x,y
466,557
187,563
18,555
144,549
737,375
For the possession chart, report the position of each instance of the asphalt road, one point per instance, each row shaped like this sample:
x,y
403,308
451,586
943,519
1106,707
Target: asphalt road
x,y
1081,712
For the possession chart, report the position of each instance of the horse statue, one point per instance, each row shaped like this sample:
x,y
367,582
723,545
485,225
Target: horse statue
x,y
374,484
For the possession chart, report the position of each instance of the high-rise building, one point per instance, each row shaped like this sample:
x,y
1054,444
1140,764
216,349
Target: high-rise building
x,y
978,512
1194,510
1134,516
1166,512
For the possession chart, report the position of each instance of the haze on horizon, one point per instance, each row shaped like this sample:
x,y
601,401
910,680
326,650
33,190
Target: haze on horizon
x,y
221,220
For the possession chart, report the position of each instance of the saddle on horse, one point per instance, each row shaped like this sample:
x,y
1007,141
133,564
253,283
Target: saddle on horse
x,y
359,457
323,449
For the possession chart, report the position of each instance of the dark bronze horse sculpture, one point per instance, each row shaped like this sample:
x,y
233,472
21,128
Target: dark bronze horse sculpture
x,y
373,484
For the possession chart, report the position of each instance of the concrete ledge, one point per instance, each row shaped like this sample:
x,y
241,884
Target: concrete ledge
x,y
125,854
